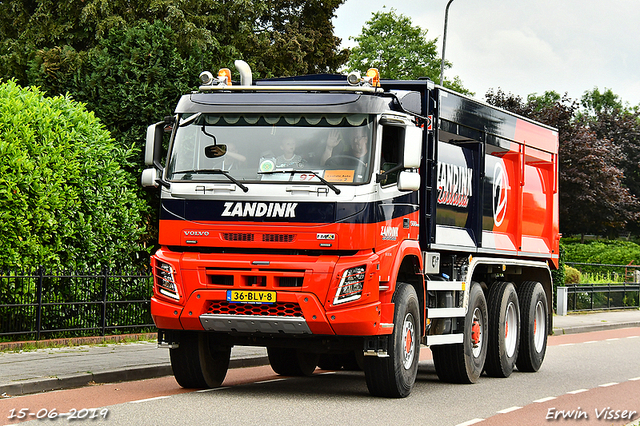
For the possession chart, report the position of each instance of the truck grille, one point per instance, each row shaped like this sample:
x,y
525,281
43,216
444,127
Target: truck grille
x,y
280,309
278,238
237,236
267,238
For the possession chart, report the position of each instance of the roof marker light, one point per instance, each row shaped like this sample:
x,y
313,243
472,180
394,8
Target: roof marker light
x,y
225,73
373,77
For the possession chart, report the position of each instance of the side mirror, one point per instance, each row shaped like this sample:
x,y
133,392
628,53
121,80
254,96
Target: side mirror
x,y
408,181
153,149
412,147
149,178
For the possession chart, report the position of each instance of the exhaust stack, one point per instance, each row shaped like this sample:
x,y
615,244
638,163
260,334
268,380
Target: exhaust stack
x,y
246,78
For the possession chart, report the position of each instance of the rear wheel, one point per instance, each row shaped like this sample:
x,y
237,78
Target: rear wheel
x,y
350,361
533,343
198,361
464,362
394,375
292,362
504,330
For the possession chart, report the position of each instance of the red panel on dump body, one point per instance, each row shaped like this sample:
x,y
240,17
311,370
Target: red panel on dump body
x,y
536,136
525,214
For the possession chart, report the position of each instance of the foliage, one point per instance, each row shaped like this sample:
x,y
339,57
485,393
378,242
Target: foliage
x,y
64,194
593,197
400,50
601,278
610,120
277,37
131,60
613,252
572,275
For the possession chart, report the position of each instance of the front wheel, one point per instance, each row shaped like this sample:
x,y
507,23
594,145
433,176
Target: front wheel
x,y
394,375
199,361
533,343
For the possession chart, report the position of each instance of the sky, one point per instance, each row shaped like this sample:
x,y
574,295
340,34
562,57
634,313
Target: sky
x,y
524,47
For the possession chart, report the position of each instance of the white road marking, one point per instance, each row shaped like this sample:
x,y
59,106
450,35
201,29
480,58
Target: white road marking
x,y
549,398
508,410
271,381
213,389
149,399
470,422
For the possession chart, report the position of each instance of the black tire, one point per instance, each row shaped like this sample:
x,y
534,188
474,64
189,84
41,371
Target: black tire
x,y
535,326
331,361
464,362
394,376
349,361
199,362
353,361
504,330
292,362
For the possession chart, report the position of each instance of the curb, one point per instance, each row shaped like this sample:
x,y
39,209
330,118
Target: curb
x,y
599,327
124,375
77,341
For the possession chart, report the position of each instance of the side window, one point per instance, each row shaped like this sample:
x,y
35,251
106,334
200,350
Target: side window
x,y
392,137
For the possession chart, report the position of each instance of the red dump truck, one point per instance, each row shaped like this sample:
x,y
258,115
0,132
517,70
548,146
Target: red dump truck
x,y
344,221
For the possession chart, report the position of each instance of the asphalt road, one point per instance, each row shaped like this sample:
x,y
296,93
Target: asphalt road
x,y
592,373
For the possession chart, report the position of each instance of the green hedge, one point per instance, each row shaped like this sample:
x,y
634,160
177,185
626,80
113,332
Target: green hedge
x,y
615,252
65,197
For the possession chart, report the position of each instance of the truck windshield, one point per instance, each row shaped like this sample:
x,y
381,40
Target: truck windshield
x,y
256,147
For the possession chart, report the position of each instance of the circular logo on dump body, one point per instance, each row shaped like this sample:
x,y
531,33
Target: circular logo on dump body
x,y
500,187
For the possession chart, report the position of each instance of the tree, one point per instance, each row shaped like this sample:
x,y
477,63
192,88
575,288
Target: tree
x,y
400,50
605,114
593,198
130,60
278,37
65,198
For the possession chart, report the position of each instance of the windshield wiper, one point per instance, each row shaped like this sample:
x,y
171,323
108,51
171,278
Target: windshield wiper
x,y
215,172
294,171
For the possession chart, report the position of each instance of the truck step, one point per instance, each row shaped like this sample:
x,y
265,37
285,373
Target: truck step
x,y
445,339
445,285
445,312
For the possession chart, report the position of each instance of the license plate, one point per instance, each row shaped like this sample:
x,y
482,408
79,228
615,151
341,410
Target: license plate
x,y
257,297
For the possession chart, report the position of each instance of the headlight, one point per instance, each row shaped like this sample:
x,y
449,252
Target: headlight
x,y
351,285
165,282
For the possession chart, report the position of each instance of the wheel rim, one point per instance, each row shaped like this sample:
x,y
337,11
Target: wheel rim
x,y
539,327
408,341
510,330
477,330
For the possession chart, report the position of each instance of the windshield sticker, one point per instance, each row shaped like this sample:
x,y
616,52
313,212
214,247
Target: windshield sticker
x,y
341,176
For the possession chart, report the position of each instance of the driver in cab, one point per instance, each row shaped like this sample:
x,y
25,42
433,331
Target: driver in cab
x,y
356,157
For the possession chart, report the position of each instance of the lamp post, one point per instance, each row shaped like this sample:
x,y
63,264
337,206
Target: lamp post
x,y
444,41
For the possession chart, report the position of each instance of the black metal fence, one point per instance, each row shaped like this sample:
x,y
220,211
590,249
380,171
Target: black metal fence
x,y
36,304
588,297
623,294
